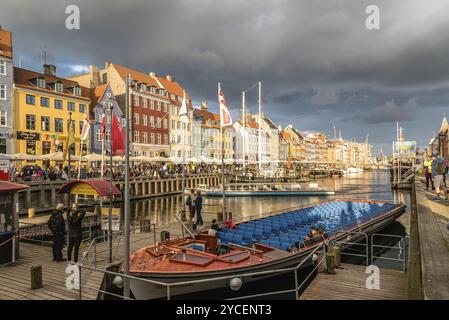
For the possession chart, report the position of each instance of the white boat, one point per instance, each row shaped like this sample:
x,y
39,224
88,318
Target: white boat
x,y
354,170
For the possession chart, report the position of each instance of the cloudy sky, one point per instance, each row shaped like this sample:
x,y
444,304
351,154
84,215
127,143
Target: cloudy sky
x,y
319,64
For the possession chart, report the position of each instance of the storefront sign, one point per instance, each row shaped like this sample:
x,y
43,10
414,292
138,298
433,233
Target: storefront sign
x,y
31,147
23,135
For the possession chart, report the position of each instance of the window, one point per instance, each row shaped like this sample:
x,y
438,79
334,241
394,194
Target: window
x,y
159,137
158,106
98,135
136,118
81,123
31,122
77,91
2,92
59,87
173,111
30,99
123,123
59,125
136,136
173,138
158,122
45,102
58,104
107,135
173,124
144,120
45,123
82,108
40,82
135,100
71,106
3,67
151,138
179,124
3,118
144,137
152,104
144,102
46,147
165,138
165,107
173,97
165,123
151,121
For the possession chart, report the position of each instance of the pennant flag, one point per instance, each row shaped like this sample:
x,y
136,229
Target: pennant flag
x,y
70,140
183,114
86,127
118,137
103,124
225,115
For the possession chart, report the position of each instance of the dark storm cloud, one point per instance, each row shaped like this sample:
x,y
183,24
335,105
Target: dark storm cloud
x,y
319,65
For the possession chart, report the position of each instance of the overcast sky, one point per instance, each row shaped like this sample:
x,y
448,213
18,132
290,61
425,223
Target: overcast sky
x,y
320,66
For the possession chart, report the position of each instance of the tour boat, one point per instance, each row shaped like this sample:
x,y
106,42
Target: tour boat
x,y
270,242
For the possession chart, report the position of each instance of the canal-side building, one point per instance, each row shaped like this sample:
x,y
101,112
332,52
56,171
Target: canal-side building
x,y
101,100
274,140
42,104
178,129
6,93
298,145
149,106
442,141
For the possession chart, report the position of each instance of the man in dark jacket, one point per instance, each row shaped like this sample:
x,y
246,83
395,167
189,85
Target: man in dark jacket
x,y
199,206
191,205
75,223
57,228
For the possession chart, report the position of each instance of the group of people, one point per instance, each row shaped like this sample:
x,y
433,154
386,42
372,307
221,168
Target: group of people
x,y
194,203
435,169
57,225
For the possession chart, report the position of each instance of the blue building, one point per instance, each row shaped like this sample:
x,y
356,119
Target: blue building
x,y
101,101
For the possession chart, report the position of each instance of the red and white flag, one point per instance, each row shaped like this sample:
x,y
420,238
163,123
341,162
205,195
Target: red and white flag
x,y
103,124
225,115
86,127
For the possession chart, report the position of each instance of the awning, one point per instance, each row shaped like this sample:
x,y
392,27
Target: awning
x,y
8,187
99,186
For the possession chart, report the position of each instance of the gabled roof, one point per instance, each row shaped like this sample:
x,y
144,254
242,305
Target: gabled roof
x,y
6,43
444,124
98,93
271,123
136,75
22,77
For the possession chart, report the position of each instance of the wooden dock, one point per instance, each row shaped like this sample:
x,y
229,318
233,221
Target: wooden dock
x,y
15,278
349,283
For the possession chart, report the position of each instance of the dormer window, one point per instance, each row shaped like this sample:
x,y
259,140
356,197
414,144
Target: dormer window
x,y
59,87
40,82
143,87
77,91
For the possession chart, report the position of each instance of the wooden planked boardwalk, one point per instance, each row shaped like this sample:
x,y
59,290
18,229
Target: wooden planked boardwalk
x,y
15,279
348,283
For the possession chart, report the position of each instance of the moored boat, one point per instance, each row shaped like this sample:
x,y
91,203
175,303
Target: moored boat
x,y
265,243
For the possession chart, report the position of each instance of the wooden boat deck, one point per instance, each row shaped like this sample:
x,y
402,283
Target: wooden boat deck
x,y
348,283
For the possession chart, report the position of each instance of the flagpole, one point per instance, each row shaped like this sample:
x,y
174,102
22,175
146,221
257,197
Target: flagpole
x,y
110,186
103,136
222,157
126,290
183,212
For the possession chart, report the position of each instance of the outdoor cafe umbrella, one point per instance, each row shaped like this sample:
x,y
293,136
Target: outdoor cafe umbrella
x,y
56,156
23,156
93,157
4,156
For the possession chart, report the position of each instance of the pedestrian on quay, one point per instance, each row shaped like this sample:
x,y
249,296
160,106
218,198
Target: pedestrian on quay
x,y
75,223
56,225
199,207
439,169
191,204
428,173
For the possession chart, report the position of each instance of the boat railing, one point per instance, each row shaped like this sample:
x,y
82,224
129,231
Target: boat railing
x,y
345,243
311,257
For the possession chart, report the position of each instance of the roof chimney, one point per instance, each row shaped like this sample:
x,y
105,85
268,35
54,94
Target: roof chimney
x,y
50,69
169,77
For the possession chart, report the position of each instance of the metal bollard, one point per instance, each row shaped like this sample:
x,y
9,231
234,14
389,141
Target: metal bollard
x,y
36,277
330,262
337,252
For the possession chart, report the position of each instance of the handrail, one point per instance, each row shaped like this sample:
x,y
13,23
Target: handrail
x,y
399,247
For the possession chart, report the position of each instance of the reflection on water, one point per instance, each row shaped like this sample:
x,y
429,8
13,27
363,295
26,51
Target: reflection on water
x,y
366,185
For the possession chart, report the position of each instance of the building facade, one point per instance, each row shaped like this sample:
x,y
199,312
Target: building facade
x,y
6,93
43,104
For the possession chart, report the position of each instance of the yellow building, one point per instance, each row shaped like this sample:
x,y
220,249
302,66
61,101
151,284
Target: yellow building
x,y
42,104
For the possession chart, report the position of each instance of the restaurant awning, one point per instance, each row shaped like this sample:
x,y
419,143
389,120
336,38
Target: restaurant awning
x,y
8,187
99,187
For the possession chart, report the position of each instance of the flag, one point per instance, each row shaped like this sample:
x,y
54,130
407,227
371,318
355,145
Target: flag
x,y
225,116
183,115
86,127
70,140
118,137
103,124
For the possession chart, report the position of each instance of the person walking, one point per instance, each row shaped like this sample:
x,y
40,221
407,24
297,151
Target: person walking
x,y
57,227
428,173
191,204
75,223
199,207
439,169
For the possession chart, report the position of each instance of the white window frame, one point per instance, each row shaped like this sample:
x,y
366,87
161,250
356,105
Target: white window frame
x,y
4,90
144,137
3,115
144,120
3,66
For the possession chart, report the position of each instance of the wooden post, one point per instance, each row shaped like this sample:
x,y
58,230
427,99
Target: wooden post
x,y
36,277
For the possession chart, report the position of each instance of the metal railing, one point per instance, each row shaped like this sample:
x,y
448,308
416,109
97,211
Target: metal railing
x,y
346,243
402,250
13,249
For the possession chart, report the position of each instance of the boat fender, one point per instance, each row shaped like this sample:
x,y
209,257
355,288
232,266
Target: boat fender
x,y
235,284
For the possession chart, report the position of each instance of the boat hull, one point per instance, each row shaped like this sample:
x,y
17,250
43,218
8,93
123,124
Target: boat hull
x,y
267,193
147,291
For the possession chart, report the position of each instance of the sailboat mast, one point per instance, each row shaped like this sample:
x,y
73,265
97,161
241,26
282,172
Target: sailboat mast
x,y
243,132
260,127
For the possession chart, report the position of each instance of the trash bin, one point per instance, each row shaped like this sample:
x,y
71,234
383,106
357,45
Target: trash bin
x,y
6,247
